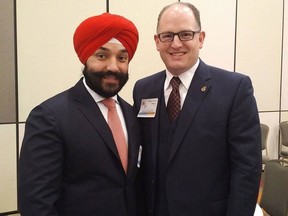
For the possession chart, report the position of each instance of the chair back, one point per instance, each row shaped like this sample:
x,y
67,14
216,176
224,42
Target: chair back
x,y
274,198
264,135
284,133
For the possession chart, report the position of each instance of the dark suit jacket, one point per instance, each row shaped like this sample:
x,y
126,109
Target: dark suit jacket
x,y
69,164
214,163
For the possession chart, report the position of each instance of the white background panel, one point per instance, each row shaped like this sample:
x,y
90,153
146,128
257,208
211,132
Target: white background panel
x,y
21,135
47,62
8,158
285,62
219,24
284,116
259,48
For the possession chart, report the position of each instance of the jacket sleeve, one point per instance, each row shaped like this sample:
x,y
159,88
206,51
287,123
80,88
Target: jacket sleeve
x,y
40,166
244,138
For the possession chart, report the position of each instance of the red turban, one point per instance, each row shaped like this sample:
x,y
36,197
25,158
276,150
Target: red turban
x,y
95,31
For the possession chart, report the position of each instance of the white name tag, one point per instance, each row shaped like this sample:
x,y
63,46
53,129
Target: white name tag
x,y
148,108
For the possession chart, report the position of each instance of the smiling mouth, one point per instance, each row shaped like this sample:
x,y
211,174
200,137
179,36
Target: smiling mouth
x,y
178,54
111,79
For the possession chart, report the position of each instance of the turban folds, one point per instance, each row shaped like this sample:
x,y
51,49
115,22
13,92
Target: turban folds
x,y
95,31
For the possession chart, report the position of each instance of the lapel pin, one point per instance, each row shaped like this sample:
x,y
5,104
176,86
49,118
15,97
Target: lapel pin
x,y
203,89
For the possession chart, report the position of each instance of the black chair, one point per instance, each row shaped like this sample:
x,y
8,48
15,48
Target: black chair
x,y
264,136
274,199
284,141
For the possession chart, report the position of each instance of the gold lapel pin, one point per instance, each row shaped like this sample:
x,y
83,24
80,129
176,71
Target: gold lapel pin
x,y
203,89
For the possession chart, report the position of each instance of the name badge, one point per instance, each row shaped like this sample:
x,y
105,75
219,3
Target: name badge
x,y
148,108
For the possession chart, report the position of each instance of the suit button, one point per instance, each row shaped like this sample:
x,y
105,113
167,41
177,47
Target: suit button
x,y
152,181
150,212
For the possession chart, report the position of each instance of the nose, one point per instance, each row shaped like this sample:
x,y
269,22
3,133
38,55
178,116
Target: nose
x,y
176,42
112,65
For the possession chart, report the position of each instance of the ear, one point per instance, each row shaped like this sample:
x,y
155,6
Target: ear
x,y
157,41
201,38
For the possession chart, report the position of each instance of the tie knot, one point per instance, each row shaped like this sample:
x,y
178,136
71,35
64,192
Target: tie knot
x,y
109,103
175,82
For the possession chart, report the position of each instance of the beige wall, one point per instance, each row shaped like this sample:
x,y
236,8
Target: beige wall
x,y
242,35
258,54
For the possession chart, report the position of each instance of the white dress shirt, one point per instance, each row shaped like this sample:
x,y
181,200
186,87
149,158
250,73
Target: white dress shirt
x,y
97,98
186,79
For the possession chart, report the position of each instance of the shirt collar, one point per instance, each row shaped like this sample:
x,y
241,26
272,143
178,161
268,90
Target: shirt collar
x,y
97,98
185,77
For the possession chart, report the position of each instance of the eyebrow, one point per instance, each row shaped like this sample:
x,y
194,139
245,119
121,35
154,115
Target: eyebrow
x,y
106,49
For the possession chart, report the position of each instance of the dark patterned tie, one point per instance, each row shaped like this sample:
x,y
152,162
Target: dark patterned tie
x,y
117,131
174,103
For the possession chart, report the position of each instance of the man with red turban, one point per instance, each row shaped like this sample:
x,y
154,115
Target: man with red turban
x,y
95,31
70,161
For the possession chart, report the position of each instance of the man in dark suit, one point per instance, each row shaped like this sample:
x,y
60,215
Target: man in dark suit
x,y
204,158
69,162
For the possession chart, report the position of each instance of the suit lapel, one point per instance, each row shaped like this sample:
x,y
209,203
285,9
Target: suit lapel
x,y
92,113
156,93
197,92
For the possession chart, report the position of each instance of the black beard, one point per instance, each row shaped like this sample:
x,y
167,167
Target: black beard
x,y
94,81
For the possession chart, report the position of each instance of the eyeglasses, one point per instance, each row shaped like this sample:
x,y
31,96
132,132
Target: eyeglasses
x,y
166,37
